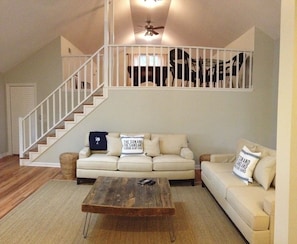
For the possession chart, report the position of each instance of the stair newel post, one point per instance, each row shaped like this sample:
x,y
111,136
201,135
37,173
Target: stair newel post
x,y
106,42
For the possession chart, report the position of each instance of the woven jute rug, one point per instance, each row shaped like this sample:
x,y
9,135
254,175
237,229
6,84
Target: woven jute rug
x,y
53,215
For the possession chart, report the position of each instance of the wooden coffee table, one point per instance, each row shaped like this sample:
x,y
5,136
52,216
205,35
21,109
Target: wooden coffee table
x,y
123,196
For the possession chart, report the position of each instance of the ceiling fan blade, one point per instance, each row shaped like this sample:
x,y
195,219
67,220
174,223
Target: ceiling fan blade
x,y
155,32
158,27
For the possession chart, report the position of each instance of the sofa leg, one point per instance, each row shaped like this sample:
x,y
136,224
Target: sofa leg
x,y
193,182
202,184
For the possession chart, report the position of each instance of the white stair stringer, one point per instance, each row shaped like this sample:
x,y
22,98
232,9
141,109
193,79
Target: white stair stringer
x,y
60,132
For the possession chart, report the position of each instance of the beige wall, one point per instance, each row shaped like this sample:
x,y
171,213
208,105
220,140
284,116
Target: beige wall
x,y
43,68
286,197
3,128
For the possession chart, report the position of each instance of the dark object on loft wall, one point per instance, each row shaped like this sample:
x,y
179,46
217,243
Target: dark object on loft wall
x,y
229,65
218,70
149,73
180,61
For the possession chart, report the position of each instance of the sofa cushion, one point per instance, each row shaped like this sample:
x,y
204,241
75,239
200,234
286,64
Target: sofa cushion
x,y
135,163
172,163
114,146
98,162
132,144
245,164
171,143
152,147
248,204
265,171
220,175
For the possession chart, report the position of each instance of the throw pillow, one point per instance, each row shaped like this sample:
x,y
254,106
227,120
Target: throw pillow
x,y
245,164
152,147
114,146
171,143
132,145
97,140
265,171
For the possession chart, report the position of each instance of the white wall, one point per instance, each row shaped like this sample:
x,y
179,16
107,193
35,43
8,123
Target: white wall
x,y
68,49
286,177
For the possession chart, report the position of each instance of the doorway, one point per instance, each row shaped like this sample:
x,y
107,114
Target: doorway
x,y
21,99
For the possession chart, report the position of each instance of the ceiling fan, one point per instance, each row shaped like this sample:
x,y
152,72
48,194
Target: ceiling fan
x,y
151,30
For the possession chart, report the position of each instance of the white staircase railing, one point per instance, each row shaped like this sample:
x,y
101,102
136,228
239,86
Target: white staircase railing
x,y
62,102
71,63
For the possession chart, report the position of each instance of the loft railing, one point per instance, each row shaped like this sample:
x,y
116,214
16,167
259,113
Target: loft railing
x,y
136,66
180,67
62,102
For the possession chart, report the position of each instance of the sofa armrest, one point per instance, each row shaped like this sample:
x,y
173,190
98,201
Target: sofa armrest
x,y
222,158
85,152
186,153
269,208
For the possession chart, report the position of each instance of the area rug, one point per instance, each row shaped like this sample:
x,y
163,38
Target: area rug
x,y
53,215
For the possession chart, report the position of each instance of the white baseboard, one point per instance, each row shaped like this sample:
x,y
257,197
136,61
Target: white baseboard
x,y
2,155
41,164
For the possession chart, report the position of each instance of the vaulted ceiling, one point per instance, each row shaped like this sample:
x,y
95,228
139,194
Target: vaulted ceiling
x,y
27,26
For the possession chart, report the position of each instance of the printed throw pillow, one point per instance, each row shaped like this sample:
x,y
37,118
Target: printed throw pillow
x,y
97,140
245,164
132,144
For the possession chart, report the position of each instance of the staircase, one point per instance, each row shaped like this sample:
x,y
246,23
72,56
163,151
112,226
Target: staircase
x,y
62,129
63,109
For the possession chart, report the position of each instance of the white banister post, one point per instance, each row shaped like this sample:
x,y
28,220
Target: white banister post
x,y
21,139
106,42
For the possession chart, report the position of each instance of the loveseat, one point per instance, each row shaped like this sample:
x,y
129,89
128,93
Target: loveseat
x,y
243,183
141,155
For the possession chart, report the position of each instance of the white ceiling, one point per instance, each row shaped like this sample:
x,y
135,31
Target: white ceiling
x,y
27,26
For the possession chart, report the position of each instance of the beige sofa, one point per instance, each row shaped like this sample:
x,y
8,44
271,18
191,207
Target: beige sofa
x,y
163,155
250,206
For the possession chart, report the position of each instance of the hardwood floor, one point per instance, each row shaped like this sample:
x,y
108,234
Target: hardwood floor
x,y
18,182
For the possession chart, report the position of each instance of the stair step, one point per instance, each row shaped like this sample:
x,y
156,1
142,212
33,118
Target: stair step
x,y
60,132
51,140
88,109
42,147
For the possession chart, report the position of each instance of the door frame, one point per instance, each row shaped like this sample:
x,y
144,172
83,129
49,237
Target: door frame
x,y
8,107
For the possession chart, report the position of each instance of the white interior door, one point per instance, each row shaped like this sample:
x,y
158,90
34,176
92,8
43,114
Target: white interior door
x,y
21,99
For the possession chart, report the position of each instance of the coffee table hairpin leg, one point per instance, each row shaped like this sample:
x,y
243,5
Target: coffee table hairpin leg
x,y
171,232
86,224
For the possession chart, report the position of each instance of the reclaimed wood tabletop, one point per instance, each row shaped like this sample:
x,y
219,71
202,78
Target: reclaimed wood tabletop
x,y
126,197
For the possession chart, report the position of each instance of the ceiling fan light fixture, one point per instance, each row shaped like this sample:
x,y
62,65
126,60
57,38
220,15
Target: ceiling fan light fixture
x,y
151,3
149,33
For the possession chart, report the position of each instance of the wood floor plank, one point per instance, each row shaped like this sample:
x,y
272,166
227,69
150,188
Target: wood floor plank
x,y
18,182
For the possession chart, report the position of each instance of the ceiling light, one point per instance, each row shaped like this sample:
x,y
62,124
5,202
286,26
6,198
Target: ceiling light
x,y
151,3
149,33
